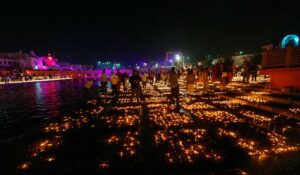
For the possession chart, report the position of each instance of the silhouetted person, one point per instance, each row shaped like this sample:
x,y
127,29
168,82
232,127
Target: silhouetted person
x,y
124,79
103,82
135,80
114,80
144,80
190,81
119,82
173,79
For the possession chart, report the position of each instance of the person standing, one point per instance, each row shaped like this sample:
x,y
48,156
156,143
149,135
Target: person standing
x,y
190,81
162,77
135,86
103,82
114,80
166,77
89,88
144,80
217,73
119,76
205,77
151,76
124,79
157,76
254,69
246,74
173,79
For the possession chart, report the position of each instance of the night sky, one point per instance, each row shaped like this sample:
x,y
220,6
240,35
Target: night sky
x,y
81,33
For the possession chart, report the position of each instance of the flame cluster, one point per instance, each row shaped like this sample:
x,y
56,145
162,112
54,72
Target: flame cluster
x,y
66,124
197,106
252,99
165,118
295,110
227,104
128,145
256,117
185,145
218,116
274,144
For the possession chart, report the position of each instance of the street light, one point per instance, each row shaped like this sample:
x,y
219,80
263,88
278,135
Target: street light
x,y
177,57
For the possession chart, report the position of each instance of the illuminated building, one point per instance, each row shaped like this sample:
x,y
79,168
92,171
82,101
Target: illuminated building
x,y
108,65
240,58
20,60
283,64
16,60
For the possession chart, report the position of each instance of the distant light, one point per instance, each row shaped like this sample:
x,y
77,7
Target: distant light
x,y
50,58
145,64
214,62
156,65
241,52
138,67
177,57
289,38
36,68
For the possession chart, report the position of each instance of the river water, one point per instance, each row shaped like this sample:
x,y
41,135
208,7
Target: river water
x,y
24,108
24,105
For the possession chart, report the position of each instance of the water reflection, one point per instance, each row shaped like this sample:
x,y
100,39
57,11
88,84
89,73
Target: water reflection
x,y
38,93
22,105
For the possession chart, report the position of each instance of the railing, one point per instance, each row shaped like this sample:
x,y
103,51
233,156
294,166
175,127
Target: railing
x,y
288,57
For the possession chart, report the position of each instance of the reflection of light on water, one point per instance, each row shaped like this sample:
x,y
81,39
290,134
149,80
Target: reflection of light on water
x,y
46,96
38,94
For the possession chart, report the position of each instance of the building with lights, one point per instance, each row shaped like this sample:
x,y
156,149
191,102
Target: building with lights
x,y
240,57
44,63
108,65
30,61
68,66
21,61
17,60
283,63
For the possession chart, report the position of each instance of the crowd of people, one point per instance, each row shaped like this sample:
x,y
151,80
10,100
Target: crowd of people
x,y
138,80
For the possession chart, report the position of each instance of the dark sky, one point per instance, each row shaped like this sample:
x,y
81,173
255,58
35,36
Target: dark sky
x,y
84,33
